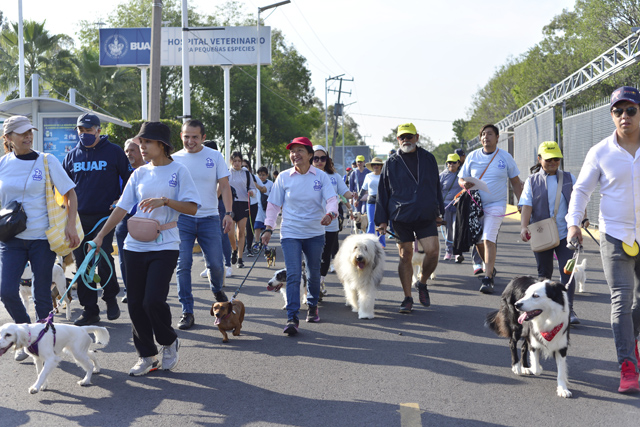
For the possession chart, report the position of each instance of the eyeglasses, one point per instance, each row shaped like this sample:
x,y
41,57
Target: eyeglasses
x,y
451,163
555,159
631,111
319,158
406,137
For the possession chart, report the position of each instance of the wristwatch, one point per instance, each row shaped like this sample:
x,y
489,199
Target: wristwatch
x,y
231,214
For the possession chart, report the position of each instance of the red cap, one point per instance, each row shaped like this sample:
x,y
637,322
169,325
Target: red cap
x,y
302,140
348,169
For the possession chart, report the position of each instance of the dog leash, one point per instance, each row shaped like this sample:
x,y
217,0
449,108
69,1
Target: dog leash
x,y
248,272
591,235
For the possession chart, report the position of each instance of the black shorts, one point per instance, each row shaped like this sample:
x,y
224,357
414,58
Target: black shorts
x,y
409,231
240,210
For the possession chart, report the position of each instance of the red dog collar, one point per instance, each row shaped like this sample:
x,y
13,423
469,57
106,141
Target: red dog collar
x,y
552,333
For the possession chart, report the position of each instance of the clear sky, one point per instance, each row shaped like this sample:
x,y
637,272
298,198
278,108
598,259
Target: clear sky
x,y
412,60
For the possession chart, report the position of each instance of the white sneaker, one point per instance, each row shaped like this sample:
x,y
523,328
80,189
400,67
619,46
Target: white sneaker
x,y
229,272
170,356
204,273
144,366
20,355
332,269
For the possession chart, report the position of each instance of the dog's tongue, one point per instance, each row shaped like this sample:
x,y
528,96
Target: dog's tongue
x,y
522,317
217,321
361,265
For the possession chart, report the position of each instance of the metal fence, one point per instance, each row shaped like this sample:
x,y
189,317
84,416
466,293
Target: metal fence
x,y
528,136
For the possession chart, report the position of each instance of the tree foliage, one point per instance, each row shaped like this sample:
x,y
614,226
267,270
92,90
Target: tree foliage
x,y
570,40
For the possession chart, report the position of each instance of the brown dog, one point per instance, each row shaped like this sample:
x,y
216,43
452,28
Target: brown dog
x,y
229,316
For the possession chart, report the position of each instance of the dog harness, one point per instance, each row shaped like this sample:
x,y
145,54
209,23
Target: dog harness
x,y
552,333
33,348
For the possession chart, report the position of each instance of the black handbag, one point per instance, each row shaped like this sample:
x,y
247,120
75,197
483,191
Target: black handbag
x,y
13,220
263,201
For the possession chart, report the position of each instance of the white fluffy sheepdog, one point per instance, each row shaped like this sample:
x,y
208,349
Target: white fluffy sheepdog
x,y
360,267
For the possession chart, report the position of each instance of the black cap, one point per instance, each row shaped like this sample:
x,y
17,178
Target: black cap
x,y
88,120
460,152
155,131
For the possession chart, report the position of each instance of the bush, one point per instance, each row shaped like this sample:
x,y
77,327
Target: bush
x,y
119,134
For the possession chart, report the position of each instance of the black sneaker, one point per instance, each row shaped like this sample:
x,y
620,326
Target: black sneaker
x,y
85,320
113,311
407,305
220,296
487,285
313,315
423,294
186,321
234,257
292,327
240,263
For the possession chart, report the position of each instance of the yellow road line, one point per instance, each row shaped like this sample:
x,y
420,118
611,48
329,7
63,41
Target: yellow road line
x,y
410,415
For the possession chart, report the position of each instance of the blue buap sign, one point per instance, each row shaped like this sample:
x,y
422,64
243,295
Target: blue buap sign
x,y
125,47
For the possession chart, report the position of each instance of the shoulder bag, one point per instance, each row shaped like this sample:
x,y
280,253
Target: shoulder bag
x,y
13,218
58,219
544,234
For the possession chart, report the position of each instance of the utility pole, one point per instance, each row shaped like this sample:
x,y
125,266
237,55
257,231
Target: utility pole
x,y
337,109
156,34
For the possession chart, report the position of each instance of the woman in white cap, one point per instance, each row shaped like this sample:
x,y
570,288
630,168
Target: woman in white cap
x,y
538,201
370,188
309,203
22,179
322,161
162,189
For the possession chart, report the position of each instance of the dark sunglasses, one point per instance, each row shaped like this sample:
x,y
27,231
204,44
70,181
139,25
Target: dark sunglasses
x,y
406,137
554,159
451,163
319,158
631,111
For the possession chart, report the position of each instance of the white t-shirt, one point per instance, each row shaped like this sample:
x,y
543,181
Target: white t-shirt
x,y
14,173
370,184
303,199
256,193
172,181
340,188
206,167
238,180
262,215
496,177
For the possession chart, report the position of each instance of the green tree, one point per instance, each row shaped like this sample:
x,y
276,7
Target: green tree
x,y
45,54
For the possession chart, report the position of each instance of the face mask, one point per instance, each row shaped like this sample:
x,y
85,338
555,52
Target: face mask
x,y
87,139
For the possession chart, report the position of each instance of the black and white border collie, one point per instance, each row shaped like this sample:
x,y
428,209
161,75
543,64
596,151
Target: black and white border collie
x,y
538,312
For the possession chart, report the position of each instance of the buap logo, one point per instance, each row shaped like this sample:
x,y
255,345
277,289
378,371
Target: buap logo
x,y
333,181
116,46
37,175
501,164
173,182
317,185
210,163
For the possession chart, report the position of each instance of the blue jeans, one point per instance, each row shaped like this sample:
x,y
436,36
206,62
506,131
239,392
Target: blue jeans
x,y
293,250
371,227
545,266
226,244
207,230
450,218
14,255
121,233
623,276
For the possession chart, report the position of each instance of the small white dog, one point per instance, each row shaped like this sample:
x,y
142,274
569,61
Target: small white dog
x,y
360,268
279,283
416,263
580,274
74,340
58,288
363,220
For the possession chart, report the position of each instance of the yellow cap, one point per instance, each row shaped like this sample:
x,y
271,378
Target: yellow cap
x,y
453,158
407,128
549,150
360,158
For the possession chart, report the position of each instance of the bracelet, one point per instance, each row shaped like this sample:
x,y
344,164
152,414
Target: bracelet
x,y
165,201
267,230
583,221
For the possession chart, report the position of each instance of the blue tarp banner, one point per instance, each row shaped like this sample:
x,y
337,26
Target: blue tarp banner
x,y
125,47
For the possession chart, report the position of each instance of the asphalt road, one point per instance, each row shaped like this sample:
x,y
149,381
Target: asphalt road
x,y
437,366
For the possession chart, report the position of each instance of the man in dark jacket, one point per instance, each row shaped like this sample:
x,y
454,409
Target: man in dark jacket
x,y
409,194
97,167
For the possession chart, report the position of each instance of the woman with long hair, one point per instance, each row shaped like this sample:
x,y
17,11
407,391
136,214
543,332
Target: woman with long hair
x,y
241,180
308,203
162,190
322,161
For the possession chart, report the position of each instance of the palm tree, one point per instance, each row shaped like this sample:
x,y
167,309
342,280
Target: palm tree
x,y
45,54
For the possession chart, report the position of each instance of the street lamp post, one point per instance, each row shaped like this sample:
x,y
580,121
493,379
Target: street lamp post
x,y
258,142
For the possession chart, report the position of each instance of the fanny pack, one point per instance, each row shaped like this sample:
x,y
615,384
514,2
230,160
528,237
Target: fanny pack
x,y
371,200
147,229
